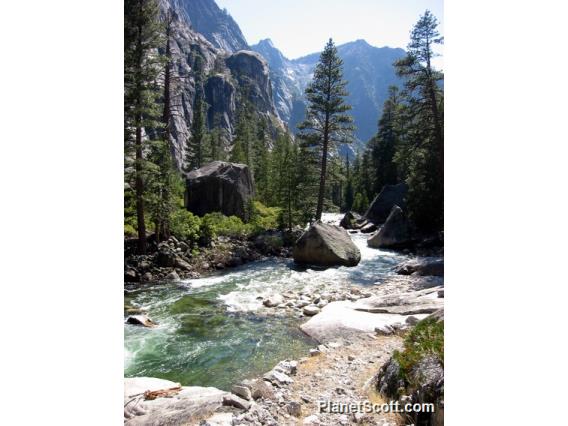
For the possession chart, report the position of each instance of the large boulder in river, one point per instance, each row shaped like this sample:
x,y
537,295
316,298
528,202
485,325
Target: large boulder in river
x,y
395,233
422,267
220,187
326,245
140,320
383,203
351,220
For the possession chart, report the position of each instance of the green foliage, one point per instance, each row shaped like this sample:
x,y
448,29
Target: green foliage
x,y
409,145
143,35
261,160
361,203
425,339
245,135
326,123
163,188
216,145
217,224
197,149
186,226
129,230
424,116
264,218
284,186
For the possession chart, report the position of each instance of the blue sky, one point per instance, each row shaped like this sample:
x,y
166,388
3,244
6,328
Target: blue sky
x,y
300,27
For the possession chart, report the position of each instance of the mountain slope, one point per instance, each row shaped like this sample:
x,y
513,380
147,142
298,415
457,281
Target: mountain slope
x,y
216,25
225,76
367,69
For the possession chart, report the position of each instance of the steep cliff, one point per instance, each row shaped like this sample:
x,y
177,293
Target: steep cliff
x,y
251,72
214,23
228,78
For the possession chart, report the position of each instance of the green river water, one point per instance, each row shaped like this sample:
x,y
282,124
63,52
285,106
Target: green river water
x,y
212,331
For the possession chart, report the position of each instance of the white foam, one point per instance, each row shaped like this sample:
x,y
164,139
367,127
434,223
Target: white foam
x,y
204,282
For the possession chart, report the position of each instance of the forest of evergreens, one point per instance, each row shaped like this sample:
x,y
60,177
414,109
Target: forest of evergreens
x,y
297,177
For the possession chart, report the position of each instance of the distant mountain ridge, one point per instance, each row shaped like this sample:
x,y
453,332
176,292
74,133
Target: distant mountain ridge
x,y
368,70
203,27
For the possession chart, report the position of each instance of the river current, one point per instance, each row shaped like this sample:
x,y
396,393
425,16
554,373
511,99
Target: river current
x,y
212,331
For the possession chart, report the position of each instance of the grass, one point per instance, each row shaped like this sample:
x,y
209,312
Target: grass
x,y
425,339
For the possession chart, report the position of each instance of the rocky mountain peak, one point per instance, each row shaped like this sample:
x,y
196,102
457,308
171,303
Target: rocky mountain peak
x,y
214,23
266,42
275,58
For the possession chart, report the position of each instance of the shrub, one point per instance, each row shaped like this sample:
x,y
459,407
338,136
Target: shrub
x,y
129,231
215,224
264,218
185,225
425,339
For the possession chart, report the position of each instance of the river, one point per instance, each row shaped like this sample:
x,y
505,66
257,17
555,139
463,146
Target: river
x,y
213,332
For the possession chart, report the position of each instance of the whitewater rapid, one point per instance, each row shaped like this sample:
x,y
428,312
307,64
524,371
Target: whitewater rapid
x,y
210,329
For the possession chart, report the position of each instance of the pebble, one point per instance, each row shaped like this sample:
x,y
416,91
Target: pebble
x,y
311,420
235,401
411,320
384,330
242,391
311,310
294,408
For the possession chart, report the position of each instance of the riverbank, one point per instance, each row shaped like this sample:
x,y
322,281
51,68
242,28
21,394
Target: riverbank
x,y
175,259
354,345
320,334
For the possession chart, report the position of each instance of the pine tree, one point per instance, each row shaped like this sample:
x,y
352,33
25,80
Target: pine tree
x,y
217,145
244,136
385,144
260,160
163,182
164,188
361,203
326,122
349,197
308,170
195,148
142,36
425,139
282,189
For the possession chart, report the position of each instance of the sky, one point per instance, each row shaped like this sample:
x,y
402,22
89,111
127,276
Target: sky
x,y
301,27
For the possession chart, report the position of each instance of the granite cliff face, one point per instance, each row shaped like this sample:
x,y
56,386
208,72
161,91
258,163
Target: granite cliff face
x,y
214,23
260,74
229,77
289,81
251,72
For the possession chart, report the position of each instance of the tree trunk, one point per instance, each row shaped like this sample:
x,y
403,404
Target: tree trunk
x,y
139,154
435,113
321,193
162,226
437,126
167,84
140,189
